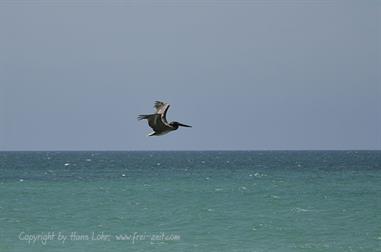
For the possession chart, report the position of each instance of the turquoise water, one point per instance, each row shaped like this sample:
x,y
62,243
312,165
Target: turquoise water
x,y
190,201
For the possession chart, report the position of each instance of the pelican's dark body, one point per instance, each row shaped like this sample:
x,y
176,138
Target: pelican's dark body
x,y
158,121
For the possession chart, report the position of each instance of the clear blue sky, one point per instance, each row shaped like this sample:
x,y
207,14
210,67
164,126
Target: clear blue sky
x,y
245,74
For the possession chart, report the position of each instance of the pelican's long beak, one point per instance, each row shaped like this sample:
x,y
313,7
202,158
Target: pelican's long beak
x,y
184,125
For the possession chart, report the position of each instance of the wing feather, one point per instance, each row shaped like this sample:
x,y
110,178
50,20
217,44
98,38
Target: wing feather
x,y
156,123
162,109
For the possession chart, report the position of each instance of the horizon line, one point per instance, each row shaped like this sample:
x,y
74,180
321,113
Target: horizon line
x,y
190,150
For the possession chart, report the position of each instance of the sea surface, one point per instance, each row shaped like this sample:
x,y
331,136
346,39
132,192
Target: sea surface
x,y
190,201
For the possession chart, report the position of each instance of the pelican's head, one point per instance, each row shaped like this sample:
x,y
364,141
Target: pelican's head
x,y
177,124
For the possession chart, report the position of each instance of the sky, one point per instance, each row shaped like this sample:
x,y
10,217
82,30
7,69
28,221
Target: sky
x,y
246,74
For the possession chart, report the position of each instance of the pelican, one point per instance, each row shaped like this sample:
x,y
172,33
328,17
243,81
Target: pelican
x,y
158,121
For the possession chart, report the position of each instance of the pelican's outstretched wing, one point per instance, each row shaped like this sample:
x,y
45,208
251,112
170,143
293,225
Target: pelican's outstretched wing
x,y
155,122
161,109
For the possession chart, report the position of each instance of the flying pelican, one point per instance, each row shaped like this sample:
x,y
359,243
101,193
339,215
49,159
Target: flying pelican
x,y
158,121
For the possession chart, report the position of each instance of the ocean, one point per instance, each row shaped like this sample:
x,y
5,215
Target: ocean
x,y
190,201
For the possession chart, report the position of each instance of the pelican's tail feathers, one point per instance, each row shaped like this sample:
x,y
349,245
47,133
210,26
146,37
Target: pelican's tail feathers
x,y
141,117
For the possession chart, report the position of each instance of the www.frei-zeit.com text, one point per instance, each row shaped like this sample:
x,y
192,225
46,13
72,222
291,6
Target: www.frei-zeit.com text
x,y
133,237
